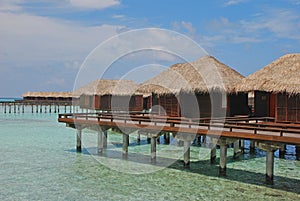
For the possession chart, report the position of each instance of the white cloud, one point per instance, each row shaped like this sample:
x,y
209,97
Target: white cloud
x,y
234,2
29,37
10,5
94,4
272,24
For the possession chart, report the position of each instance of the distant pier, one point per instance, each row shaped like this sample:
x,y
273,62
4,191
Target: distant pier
x,y
21,106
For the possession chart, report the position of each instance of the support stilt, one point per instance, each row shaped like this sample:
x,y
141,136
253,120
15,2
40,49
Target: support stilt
x,y
236,149
223,155
167,138
100,142
282,151
125,145
138,139
186,155
213,155
105,139
242,146
269,167
153,149
252,146
79,136
297,152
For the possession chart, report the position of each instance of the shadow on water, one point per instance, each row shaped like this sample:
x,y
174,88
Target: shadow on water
x,y
204,167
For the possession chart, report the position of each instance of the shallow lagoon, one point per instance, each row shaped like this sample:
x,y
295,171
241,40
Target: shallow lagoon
x,y
38,162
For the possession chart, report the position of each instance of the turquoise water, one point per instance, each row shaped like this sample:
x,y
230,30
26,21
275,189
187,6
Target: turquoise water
x,y
38,162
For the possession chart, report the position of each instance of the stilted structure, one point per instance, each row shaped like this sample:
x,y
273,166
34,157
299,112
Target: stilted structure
x,y
276,89
203,88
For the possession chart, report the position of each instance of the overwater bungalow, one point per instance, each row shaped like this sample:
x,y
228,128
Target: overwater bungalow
x,y
107,95
195,90
48,97
276,89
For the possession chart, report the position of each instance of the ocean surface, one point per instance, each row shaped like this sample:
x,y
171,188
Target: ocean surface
x,y
38,161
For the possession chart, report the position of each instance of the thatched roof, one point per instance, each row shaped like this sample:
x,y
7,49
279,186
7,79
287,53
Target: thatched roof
x,y
48,94
282,75
201,76
108,87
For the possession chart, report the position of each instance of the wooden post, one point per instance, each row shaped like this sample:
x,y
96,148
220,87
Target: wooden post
x,y
167,138
138,138
153,149
50,108
158,140
105,139
41,108
148,140
297,149
58,108
125,145
36,108
186,155
236,149
45,108
100,142
79,136
269,167
242,145
54,108
223,155
252,146
282,151
9,108
5,108
23,110
15,110
213,155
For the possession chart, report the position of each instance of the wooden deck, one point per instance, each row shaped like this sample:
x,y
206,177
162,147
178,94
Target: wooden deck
x,y
267,134
258,129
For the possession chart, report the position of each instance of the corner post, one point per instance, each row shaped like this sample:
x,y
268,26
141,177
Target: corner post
x,y
153,149
270,167
125,145
186,156
223,155
79,137
100,142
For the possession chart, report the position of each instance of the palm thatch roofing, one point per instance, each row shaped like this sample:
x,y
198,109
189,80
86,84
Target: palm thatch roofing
x,y
48,94
282,75
201,76
108,87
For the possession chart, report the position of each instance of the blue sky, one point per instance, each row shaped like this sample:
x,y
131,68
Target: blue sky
x,y
44,42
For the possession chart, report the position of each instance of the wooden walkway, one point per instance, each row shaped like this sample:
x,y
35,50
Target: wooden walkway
x,y
263,133
259,129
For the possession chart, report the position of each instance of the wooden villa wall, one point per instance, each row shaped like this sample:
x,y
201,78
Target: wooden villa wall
x,y
169,103
200,105
50,99
287,107
86,101
238,104
147,102
125,103
108,102
262,104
